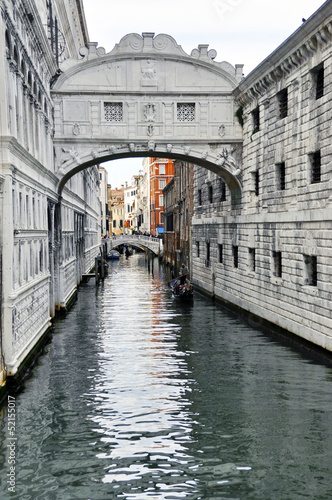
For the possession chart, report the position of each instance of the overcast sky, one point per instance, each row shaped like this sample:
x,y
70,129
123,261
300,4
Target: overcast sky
x,y
241,31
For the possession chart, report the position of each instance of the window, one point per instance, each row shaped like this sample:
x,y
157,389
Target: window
x,y
161,200
207,261
197,248
281,176
252,259
199,197
277,264
222,191
162,183
113,111
255,120
114,223
210,191
255,177
161,217
169,223
315,170
310,269
186,112
282,98
162,169
318,80
235,251
220,254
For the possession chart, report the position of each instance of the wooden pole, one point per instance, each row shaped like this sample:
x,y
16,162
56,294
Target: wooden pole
x,y
96,270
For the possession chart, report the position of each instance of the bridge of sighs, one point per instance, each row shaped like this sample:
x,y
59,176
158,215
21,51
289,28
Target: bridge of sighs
x,y
147,97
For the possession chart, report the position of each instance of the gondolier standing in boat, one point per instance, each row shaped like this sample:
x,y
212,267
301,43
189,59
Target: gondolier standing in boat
x,y
184,272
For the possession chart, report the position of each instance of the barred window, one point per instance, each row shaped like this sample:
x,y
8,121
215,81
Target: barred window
x,y
277,264
252,259
310,263
315,163
222,191
220,254
318,73
113,111
235,251
282,97
281,176
255,120
186,112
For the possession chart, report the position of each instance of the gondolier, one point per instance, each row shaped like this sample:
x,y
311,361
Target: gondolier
x,y
184,274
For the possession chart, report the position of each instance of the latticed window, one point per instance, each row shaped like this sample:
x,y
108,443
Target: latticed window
x,y
186,112
113,111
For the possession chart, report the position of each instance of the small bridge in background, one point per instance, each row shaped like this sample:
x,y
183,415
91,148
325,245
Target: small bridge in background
x,y
155,245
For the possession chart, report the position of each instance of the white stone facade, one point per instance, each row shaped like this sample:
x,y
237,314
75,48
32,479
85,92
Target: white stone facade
x,y
271,254
47,241
143,199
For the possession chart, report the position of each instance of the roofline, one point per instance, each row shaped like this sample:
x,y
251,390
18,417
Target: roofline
x,y
291,44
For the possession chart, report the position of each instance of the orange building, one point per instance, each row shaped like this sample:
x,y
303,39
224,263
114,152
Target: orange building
x,y
161,173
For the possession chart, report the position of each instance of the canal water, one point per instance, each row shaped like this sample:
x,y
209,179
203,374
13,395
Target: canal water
x,y
139,397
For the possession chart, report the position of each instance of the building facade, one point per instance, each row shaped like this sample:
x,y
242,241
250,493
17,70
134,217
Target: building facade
x,y
270,255
104,210
178,212
143,199
47,242
161,172
117,211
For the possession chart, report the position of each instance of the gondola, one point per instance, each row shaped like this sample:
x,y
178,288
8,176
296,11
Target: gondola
x,y
183,292
113,255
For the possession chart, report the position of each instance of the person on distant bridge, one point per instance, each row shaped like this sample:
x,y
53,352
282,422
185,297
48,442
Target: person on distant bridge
x,y
184,272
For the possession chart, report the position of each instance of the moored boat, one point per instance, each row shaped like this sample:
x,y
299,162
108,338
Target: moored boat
x,y
113,255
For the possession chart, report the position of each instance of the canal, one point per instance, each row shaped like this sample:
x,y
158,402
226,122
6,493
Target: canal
x,y
139,397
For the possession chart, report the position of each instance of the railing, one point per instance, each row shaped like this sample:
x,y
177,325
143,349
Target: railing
x,y
154,244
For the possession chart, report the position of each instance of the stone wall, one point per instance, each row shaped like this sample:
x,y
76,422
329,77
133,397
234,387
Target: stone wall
x,y
270,255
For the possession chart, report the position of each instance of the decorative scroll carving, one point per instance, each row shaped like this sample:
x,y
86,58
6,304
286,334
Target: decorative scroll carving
x,y
151,145
226,159
150,130
149,72
70,154
150,112
76,129
91,51
169,148
221,130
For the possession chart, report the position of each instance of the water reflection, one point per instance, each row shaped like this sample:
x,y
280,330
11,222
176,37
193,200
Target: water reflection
x,y
139,397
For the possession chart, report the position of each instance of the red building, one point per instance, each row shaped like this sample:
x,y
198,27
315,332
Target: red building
x,y
161,173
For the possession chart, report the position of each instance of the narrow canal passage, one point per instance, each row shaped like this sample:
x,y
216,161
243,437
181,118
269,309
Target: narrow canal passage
x,y
139,397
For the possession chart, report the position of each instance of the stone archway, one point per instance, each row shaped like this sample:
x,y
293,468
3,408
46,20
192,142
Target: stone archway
x,y
147,97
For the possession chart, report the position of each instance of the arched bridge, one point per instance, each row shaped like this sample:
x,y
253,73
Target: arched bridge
x,y
155,245
147,97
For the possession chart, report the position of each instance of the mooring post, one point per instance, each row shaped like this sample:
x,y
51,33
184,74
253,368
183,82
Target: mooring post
x,y
96,271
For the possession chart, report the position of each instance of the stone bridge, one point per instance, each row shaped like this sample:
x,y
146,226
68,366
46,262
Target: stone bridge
x,y
147,97
155,245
